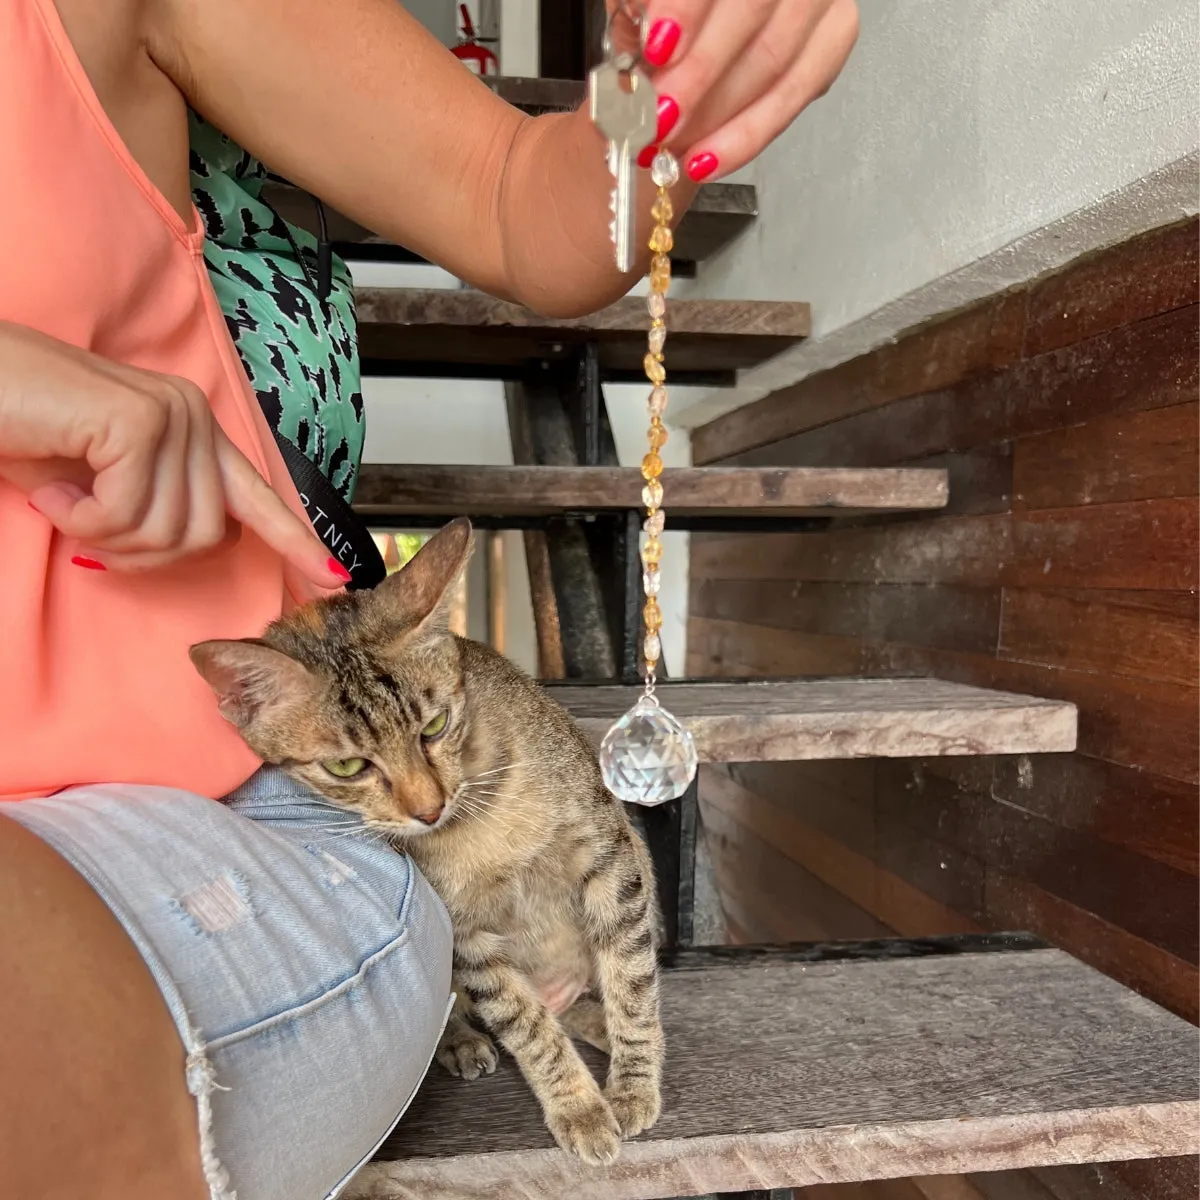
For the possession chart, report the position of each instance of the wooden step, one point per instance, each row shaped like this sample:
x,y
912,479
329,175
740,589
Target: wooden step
x,y
841,1063
399,491
467,334
789,720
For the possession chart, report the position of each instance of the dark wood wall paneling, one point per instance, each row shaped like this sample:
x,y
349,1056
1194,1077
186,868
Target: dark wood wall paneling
x,y
1066,566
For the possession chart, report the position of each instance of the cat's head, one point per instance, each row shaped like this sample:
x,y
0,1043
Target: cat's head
x,y
361,695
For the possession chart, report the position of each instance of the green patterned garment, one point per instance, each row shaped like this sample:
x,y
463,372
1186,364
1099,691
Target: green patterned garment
x,y
301,354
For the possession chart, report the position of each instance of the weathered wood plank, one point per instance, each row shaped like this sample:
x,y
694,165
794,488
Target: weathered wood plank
x,y
1151,900
1153,364
970,343
386,490
1145,724
838,718
1148,814
955,618
787,1074
1146,544
1113,632
1134,456
422,332
1140,278
1109,947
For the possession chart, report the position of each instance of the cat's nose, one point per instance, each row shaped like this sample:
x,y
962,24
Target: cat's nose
x,y
430,816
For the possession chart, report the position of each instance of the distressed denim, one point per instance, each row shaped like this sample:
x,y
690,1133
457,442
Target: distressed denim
x,y
306,965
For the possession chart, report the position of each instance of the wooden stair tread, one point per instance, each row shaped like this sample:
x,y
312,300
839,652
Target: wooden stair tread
x,y
387,490
790,720
793,1069
452,333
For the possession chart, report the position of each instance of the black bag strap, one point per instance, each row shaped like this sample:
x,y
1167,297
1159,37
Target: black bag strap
x,y
336,523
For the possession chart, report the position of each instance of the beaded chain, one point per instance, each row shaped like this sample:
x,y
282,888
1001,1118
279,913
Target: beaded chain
x,y
665,174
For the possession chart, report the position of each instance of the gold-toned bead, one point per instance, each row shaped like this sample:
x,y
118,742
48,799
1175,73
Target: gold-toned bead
x,y
655,371
652,615
652,552
662,240
652,466
657,435
663,211
652,494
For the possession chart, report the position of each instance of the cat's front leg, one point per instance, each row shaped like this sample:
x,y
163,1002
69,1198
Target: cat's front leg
x,y
620,917
464,1050
576,1112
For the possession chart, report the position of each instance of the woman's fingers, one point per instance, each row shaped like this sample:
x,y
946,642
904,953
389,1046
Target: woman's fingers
x,y
755,125
249,498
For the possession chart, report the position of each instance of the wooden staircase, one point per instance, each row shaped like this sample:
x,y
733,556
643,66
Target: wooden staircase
x,y
791,1065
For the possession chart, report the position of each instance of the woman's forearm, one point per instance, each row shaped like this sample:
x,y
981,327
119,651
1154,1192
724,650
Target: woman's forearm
x,y
553,217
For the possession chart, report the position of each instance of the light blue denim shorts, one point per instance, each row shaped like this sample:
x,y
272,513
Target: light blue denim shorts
x,y
306,965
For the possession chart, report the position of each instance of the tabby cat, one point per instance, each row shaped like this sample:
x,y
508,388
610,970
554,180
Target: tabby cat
x,y
472,769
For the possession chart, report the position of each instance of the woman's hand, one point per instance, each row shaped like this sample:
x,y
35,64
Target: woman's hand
x,y
131,464
732,75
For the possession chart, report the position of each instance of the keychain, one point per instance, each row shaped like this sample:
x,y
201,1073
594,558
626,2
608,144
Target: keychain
x,y
647,757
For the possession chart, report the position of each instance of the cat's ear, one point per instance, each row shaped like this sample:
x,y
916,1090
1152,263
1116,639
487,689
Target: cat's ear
x,y
249,676
418,595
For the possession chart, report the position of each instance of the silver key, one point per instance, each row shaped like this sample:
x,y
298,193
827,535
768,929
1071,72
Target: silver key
x,y
629,119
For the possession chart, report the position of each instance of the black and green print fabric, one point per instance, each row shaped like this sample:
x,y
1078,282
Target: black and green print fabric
x,y
300,353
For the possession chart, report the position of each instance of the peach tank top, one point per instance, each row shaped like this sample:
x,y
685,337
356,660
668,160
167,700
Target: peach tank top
x,y
95,681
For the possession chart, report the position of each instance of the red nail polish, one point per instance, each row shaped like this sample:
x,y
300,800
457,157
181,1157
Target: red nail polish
x,y
646,157
660,45
337,569
701,166
668,115
89,563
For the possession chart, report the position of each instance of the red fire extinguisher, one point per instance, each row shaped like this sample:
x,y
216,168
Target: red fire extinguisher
x,y
471,51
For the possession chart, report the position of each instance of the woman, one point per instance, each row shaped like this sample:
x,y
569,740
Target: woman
x,y
161,955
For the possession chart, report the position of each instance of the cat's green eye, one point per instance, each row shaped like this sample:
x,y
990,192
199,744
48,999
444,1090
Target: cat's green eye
x,y
345,768
436,727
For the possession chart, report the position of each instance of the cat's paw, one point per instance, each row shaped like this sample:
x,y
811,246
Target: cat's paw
x,y
587,1129
468,1053
635,1104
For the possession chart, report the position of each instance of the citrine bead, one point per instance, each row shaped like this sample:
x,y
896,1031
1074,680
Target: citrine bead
x,y
652,494
663,210
657,404
657,436
660,280
652,615
652,552
655,371
652,466
662,240
657,305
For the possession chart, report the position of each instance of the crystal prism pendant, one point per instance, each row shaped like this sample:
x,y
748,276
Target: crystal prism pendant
x,y
648,757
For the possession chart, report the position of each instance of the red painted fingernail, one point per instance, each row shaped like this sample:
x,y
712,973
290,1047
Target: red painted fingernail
x,y
668,114
701,166
89,563
337,569
646,157
660,45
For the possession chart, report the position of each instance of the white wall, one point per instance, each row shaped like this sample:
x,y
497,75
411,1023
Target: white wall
x,y
959,130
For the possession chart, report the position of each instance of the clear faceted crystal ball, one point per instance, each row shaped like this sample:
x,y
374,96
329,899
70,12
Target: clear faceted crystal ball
x,y
648,757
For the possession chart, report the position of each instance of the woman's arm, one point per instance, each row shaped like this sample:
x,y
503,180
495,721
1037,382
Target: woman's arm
x,y
356,102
